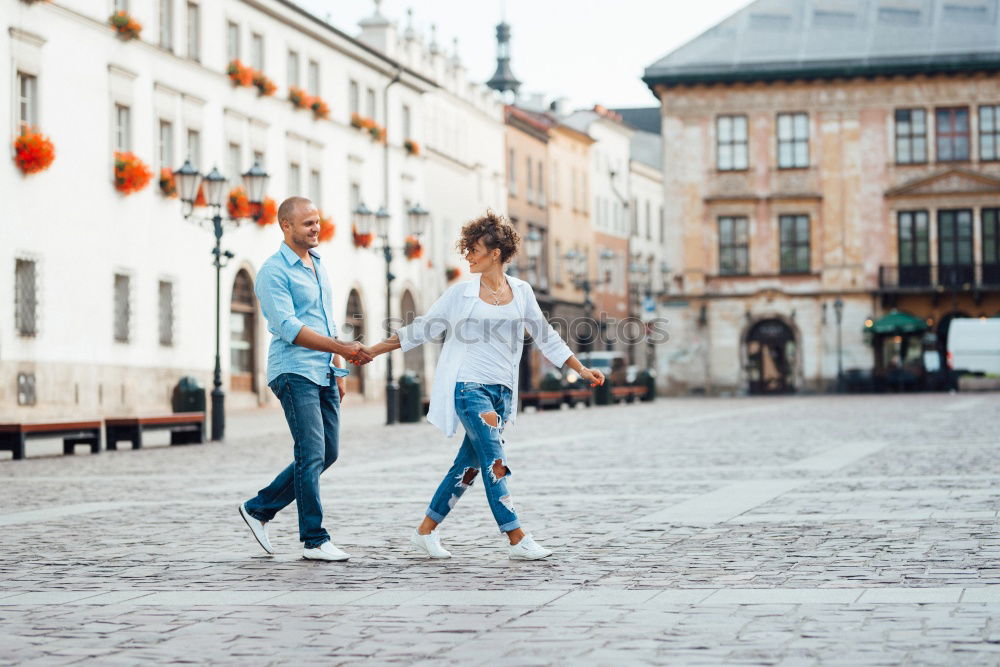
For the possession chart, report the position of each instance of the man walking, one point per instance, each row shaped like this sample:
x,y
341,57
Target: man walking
x,y
303,371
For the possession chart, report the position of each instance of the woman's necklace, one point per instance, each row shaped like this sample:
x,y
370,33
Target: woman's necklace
x,y
494,292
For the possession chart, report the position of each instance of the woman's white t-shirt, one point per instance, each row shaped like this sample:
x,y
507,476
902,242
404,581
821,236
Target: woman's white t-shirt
x,y
495,335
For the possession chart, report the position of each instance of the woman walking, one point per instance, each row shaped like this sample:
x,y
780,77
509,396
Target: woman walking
x,y
475,384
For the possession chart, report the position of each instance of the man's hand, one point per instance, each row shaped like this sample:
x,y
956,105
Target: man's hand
x,y
593,376
355,353
342,387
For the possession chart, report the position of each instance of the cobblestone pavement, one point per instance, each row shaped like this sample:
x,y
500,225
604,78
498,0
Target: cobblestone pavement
x,y
777,531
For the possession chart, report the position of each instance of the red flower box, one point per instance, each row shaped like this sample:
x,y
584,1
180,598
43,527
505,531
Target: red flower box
x,y
268,212
319,108
168,185
298,98
412,248
238,204
131,173
412,147
126,26
326,228
33,152
240,74
362,240
451,273
264,85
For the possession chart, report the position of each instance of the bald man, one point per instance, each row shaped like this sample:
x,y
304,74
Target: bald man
x,y
304,372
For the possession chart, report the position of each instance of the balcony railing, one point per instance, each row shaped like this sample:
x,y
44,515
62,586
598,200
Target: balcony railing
x,y
958,277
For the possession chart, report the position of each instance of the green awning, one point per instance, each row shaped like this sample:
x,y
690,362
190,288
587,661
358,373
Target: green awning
x,y
897,323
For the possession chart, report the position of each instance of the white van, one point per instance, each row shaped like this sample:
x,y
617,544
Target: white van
x,y
974,345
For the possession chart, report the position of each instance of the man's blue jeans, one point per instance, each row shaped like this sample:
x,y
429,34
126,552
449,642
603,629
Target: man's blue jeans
x,y
313,416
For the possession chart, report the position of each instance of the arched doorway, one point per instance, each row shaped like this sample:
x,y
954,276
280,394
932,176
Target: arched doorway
x,y
242,335
413,360
771,353
354,329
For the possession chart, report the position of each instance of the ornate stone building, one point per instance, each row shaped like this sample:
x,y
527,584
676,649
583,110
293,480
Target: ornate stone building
x,y
825,162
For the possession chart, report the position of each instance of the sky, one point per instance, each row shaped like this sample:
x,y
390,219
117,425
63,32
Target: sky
x,y
588,51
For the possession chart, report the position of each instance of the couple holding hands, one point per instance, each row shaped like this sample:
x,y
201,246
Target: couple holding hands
x,y
483,322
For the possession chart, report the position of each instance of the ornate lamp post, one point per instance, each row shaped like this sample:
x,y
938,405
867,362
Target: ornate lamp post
x,y
363,220
188,182
838,311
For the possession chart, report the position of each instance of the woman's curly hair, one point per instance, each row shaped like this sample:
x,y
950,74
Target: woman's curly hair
x,y
495,231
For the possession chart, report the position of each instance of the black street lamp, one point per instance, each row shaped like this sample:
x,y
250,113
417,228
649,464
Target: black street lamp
x,y
188,182
838,311
363,219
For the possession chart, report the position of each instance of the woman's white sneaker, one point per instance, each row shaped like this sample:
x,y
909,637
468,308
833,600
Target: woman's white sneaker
x,y
325,551
528,549
429,545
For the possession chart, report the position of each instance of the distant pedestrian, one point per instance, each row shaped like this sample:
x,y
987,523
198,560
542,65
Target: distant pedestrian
x,y
484,321
303,371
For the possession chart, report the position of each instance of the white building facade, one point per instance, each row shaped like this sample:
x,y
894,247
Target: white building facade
x,y
119,288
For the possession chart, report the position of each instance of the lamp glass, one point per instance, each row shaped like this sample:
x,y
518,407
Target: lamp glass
x,y
215,185
255,183
363,219
418,219
382,222
187,180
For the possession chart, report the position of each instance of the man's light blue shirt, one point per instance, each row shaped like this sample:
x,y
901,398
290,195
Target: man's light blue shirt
x,y
292,296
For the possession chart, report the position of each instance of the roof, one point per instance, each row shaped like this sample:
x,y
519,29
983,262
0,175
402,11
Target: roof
x,y
783,39
647,148
646,119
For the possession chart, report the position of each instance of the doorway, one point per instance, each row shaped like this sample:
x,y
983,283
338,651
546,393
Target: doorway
x,y
354,329
242,335
771,353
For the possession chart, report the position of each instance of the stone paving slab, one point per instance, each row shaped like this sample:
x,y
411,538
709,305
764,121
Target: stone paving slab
x,y
765,531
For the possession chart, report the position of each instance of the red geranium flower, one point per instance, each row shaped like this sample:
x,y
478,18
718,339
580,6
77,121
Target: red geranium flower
x,y
238,204
33,152
131,173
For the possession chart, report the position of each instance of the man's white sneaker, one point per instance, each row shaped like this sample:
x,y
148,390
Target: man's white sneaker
x,y
325,551
429,545
528,549
258,529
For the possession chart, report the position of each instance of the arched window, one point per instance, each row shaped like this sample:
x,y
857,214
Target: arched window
x,y
242,334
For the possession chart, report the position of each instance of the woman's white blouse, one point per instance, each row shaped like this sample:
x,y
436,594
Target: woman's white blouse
x,y
447,315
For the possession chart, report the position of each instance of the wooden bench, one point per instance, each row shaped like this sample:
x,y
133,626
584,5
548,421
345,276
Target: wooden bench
x,y
628,393
573,396
14,436
541,399
185,428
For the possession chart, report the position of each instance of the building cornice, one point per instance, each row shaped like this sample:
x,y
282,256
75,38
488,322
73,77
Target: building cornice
x,y
26,37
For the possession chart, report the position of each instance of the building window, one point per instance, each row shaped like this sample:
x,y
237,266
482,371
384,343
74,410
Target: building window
x,y
370,103
511,180
663,226
555,183
914,248
123,128
955,237
355,197
989,132
794,231
952,134
166,144
793,140
649,221
541,185
294,178
258,158
121,5
257,51
167,25
166,310
734,246
27,102
991,243
313,77
232,41
315,193
911,136
26,297
123,307
731,143
293,69
407,130
193,32
529,191
234,158
354,97
194,148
